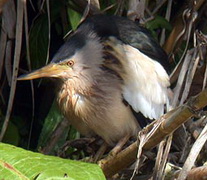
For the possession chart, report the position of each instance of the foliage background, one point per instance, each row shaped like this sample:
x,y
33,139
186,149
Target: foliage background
x,y
30,41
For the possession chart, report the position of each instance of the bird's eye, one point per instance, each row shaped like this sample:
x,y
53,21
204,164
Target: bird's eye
x,y
70,63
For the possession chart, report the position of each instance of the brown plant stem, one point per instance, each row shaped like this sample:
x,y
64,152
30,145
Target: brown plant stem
x,y
173,120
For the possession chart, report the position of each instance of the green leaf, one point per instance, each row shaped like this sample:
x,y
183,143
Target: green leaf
x,y
74,18
38,41
12,134
158,22
52,120
17,163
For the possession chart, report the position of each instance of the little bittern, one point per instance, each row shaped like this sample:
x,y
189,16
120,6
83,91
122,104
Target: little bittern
x,y
108,68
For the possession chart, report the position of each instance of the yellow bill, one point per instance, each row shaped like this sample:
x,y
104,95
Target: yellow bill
x,y
50,70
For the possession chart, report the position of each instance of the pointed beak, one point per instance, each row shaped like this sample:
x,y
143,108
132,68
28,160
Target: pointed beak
x,y
50,70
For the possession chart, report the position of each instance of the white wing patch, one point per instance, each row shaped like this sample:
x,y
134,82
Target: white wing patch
x,y
145,83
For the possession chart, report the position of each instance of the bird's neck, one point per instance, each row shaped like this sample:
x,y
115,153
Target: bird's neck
x,y
73,94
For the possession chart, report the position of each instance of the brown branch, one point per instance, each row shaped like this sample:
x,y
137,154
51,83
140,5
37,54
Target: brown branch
x,y
194,152
173,120
178,27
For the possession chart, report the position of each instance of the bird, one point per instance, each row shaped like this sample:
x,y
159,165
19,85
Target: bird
x,y
109,69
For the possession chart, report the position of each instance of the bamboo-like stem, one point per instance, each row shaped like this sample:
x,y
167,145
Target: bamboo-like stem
x,y
173,120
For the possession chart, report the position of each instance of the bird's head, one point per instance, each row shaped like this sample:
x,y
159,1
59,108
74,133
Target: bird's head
x,y
81,54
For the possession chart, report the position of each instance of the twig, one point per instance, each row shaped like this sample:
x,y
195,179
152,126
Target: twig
x,y
120,7
29,66
181,77
159,5
94,9
49,30
188,21
205,77
90,4
143,137
174,119
158,159
8,61
190,75
9,23
165,156
18,43
167,17
2,47
86,11
180,27
197,146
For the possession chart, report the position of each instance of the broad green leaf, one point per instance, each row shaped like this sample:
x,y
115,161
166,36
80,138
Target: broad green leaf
x,y
20,164
74,18
52,120
12,134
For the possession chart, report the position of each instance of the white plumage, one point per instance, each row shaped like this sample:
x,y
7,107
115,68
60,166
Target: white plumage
x,y
145,83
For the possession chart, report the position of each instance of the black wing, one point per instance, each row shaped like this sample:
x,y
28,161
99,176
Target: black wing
x,y
128,32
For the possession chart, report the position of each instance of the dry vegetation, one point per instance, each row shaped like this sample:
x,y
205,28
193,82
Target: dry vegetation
x,y
172,147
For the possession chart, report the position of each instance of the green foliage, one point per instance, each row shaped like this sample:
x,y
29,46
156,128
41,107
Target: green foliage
x,y
39,34
12,134
52,120
156,23
17,163
74,18
38,41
